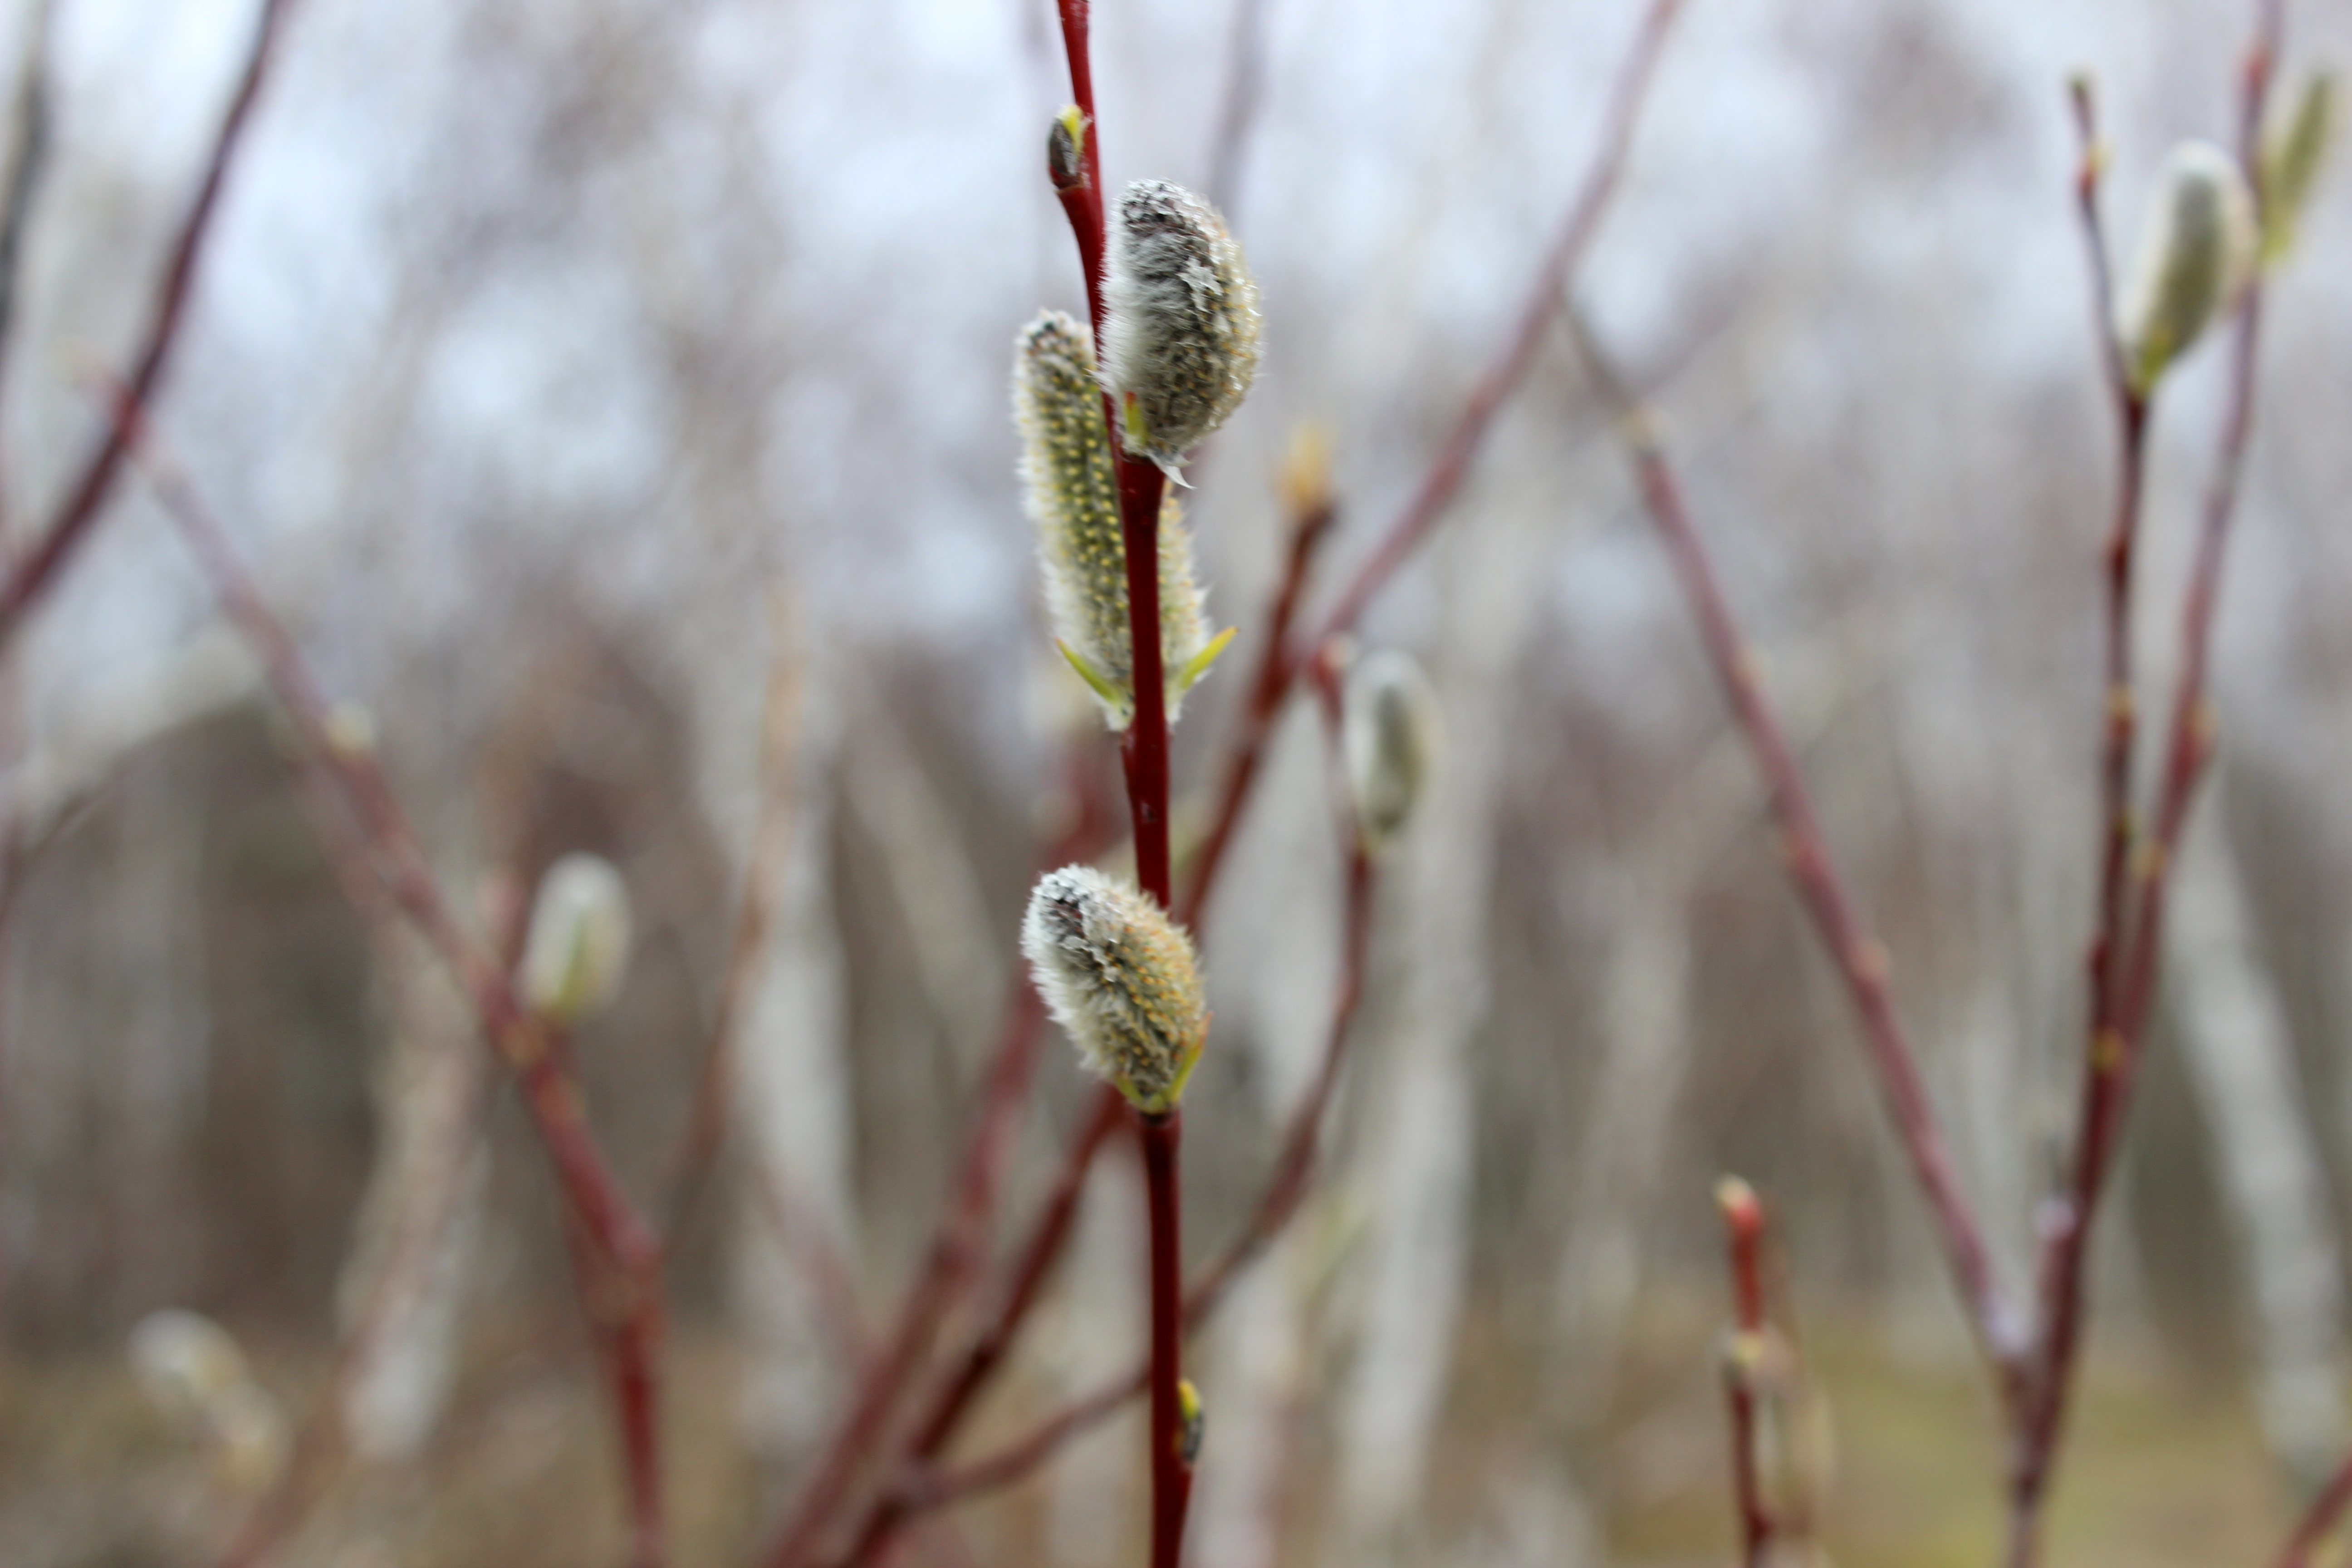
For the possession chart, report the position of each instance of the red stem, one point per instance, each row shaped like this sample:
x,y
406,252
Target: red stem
x,y
30,573
2319,1520
2189,746
1161,1138
2119,703
1280,666
1544,303
1743,1219
1861,960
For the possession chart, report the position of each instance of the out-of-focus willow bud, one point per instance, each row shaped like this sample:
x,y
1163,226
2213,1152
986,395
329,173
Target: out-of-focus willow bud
x,y
1193,1422
1304,481
1119,976
1073,499
1179,321
2292,157
1389,720
579,943
2198,250
184,1361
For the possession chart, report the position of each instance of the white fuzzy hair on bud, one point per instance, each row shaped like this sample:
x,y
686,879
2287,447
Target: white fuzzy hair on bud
x,y
1120,977
579,944
2197,251
1179,321
1389,734
1071,494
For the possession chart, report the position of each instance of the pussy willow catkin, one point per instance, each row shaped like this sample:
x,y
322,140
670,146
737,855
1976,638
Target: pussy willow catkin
x,y
1072,496
1121,978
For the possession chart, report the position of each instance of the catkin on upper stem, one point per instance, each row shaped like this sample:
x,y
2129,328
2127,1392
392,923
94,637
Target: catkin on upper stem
x,y
1071,493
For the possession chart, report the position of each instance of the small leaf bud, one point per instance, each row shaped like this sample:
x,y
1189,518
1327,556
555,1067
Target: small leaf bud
x,y
579,944
1121,979
2197,251
1389,730
2291,158
1066,149
1179,321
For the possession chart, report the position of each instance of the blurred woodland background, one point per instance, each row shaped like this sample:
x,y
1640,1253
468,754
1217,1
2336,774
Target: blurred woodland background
x,y
579,375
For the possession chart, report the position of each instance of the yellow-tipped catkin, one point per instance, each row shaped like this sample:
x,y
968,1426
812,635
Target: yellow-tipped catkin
x,y
579,943
1179,321
1121,978
1073,499
1389,730
2198,250
2292,157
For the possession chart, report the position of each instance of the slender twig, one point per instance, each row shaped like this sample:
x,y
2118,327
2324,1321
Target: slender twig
x,y
1544,301
2319,1520
630,1287
1860,958
1144,752
895,1506
2189,746
2119,705
1743,1222
1278,672
763,868
1281,665
30,571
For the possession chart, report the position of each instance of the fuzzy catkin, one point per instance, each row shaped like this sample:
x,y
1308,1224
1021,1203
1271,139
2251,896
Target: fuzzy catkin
x,y
578,941
1121,978
1071,494
1389,733
1179,321
2198,250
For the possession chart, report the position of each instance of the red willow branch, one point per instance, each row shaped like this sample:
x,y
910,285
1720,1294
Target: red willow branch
x,y
1743,1222
2119,705
1279,666
2189,746
30,571
1171,1462
1860,958
2319,1520
1144,752
629,1292
1544,301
